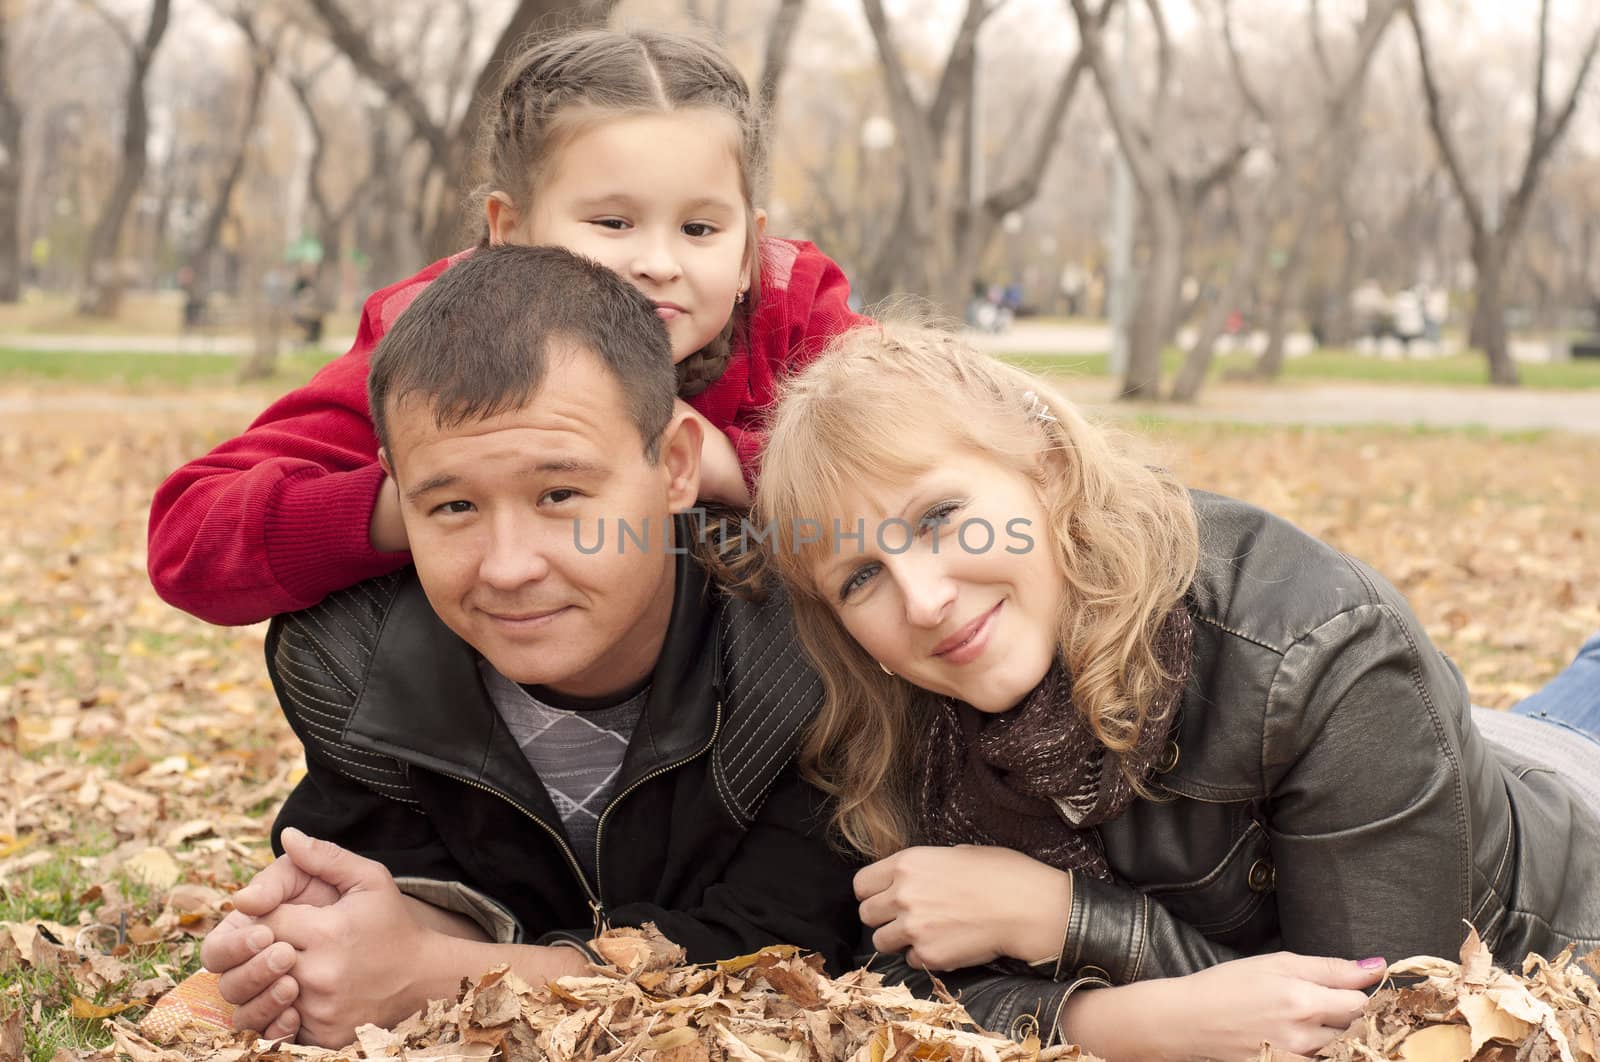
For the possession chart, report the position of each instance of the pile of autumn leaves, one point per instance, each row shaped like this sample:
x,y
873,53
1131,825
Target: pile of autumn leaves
x,y
644,1003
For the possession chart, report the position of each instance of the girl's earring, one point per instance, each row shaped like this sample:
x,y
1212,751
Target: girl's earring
x,y
886,671
739,298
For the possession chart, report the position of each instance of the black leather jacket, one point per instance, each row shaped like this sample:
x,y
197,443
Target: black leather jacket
x,y
711,834
1324,792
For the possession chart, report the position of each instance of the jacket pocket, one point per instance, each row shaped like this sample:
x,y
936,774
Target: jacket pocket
x,y
1231,893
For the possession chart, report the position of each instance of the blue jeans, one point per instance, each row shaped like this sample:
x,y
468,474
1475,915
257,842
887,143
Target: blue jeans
x,y
1572,698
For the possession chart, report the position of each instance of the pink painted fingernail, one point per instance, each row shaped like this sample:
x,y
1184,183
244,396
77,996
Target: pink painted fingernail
x,y
1374,963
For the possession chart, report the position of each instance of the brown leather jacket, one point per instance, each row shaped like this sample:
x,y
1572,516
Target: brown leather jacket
x,y
1325,791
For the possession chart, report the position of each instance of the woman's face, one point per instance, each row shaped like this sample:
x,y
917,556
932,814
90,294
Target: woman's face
x,y
949,581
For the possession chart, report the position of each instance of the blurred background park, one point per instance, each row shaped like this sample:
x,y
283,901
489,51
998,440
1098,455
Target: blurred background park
x,y
1164,192
1340,258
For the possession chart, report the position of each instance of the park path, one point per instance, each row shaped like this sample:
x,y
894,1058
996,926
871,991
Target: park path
x,y
1307,402
1325,404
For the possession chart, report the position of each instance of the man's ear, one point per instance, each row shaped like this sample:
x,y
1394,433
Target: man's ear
x,y
679,455
503,217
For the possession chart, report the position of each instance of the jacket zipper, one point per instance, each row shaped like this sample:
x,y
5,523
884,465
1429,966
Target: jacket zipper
x,y
596,906
600,826
558,838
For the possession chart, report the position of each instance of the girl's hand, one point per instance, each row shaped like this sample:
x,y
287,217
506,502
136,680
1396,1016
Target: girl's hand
x,y
1296,1003
721,477
954,907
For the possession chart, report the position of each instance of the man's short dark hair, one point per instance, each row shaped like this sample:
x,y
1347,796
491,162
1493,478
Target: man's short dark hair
x,y
476,342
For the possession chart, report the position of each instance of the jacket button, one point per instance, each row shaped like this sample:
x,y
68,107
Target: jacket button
x,y
1262,876
1169,758
1023,1027
1093,971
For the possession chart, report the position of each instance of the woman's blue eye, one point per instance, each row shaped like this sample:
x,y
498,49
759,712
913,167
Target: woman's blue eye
x,y
856,580
937,515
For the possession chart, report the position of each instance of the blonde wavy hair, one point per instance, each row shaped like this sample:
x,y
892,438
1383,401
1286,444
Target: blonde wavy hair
x,y
875,408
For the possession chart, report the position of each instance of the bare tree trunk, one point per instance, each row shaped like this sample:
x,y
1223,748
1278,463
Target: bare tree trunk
x,y
1291,287
1246,268
261,60
102,282
10,177
1492,246
1338,326
1489,313
1155,314
911,258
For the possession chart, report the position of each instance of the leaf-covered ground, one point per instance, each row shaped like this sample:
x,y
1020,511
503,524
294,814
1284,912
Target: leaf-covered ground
x,y
142,756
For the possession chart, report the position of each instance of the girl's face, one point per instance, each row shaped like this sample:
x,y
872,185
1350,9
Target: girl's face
x,y
950,580
655,197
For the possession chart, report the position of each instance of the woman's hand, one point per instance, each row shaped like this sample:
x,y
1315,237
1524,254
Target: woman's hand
x,y
954,907
1295,1002
721,476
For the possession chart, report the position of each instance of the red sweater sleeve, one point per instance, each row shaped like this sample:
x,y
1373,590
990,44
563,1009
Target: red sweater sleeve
x,y
805,302
278,518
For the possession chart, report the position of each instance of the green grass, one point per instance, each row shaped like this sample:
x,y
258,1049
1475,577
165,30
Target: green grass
x,y
1345,365
58,891
1459,369
138,371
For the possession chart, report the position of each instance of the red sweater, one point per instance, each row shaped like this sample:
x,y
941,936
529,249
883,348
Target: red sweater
x,y
276,519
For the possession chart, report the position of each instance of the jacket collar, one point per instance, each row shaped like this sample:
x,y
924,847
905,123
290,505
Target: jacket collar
x,y
424,703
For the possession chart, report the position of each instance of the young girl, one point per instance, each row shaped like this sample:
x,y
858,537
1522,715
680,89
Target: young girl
x,y
1084,719
641,150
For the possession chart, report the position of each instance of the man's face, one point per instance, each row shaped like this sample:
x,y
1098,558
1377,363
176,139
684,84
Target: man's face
x,y
493,508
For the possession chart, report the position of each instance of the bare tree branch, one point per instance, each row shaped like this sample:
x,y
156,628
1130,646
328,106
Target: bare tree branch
x,y
908,115
1545,138
353,42
1236,64
1540,68
1158,121
960,65
780,36
1023,190
1146,168
122,31
1319,46
466,16
1440,124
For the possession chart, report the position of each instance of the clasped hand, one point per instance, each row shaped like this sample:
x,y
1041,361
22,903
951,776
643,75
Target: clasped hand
x,y
947,908
318,938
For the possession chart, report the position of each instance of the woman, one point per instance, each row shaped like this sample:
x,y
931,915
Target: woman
x,y
1085,719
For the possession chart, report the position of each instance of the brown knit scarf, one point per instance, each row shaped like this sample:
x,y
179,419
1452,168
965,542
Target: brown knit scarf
x,y
996,779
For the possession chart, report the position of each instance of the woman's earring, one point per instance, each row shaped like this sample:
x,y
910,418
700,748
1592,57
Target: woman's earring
x,y
886,671
739,298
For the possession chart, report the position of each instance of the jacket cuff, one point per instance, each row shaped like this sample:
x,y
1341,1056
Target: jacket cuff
x,y
566,938
318,533
1058,1035
1106,935
498,923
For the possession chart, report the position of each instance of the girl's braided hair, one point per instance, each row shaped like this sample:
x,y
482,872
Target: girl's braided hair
x,y
559,85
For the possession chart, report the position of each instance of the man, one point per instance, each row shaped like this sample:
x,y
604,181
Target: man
x,y
526,735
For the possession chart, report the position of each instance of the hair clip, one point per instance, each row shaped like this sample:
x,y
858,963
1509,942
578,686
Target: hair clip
x,y
1037,408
